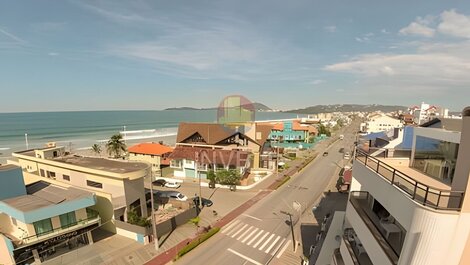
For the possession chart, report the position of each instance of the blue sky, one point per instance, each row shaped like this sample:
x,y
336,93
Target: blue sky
x,y
107,55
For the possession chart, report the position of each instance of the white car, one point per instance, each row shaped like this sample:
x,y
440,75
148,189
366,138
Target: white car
x,y
173,185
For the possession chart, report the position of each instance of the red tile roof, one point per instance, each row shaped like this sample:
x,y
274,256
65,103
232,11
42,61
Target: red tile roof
x,y
150,149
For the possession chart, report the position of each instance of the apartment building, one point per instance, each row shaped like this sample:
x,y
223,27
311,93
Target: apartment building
x,y
40,220
118,184
379,123
407,210
155,154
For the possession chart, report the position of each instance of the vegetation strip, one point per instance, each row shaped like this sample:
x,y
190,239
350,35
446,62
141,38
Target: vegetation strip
x,y
196,242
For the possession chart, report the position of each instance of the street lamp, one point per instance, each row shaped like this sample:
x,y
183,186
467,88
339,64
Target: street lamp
x,y
198,175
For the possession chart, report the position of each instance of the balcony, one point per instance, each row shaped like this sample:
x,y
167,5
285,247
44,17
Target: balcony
x,y
389,236
420,188
355,248
93,218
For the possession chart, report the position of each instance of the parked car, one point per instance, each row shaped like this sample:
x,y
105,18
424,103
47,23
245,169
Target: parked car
x,y
172,184
325,153
205,202
172,195
346,155
159,182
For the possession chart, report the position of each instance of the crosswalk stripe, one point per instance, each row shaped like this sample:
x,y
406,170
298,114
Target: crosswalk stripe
x,y
266,242
272,245
278,247
283,249
230,226
244,233
248,236
254,238
234,229
239,230
261,239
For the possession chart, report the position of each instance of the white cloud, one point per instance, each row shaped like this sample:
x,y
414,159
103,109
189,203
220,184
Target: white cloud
x,y
330,29
12,37
362,39
385,31
317,82
454,24
418,28
53,54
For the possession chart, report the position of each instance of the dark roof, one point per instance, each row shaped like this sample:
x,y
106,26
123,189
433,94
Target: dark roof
x,y
42,194
444,123
373,136
211,156
214,133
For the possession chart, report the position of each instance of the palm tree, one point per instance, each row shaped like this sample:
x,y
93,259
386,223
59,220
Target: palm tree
x,y
96,148
116,146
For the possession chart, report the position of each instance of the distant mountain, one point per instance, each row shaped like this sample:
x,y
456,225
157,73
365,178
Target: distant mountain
x,y
347,108
257,106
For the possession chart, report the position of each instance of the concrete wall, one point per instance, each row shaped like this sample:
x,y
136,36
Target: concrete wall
x,y
134,190
330,243
6,251
171,224
154,161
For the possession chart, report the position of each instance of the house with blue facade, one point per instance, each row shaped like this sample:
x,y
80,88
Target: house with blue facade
x,y
292,134
40,220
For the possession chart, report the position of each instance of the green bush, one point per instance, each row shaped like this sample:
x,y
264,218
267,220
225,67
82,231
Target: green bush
x,y
197,241
135,219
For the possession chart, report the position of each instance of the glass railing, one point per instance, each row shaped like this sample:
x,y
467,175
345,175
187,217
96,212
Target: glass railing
x,y
92,217
424,194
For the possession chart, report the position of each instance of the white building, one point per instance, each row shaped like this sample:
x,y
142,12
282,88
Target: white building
x,y
407,210
426,112
380,123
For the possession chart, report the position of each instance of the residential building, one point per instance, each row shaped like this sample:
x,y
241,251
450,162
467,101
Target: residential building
x,y
426,112
291,134
155,154
118,184
185,158
380,122
246,137
408,210
39,221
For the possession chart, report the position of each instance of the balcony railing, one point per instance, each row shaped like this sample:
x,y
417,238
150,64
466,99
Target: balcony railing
x,y
92,219
350,250
424,194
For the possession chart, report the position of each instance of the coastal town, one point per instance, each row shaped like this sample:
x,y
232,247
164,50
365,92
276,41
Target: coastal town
x,y
352,188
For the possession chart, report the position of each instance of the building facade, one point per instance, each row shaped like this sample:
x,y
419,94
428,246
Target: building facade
x,y
380,123
408,210
42,220
155,154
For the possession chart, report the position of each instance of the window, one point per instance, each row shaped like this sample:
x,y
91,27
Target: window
x,y
66,177
42,173
152,156
94,184
175,163
51,174
43,226
67,220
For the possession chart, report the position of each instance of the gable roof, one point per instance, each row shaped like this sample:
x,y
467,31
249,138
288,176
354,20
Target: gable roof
x,y
211,156
150,149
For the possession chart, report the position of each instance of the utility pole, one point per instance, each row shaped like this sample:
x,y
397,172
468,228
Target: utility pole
x,y
154,227
124,127
196,164
291,228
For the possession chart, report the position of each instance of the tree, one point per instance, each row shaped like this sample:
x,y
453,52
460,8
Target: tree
x,y
96,149
322,129
212,177
116,146
228,177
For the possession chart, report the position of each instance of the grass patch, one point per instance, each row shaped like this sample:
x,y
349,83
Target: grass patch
x,y
287,178
196,242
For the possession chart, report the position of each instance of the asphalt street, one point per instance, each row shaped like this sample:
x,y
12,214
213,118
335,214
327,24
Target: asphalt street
x,y
263,232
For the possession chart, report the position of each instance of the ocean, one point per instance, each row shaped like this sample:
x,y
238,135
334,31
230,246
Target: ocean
x,y
81,129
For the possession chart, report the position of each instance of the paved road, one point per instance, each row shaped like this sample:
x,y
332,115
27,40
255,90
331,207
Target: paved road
x,y
262,233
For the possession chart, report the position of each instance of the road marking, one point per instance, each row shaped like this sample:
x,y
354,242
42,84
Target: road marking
x,y
234,229
278,247
251,217
244,233
239,230
253,239
244,257
230,226
266,242
283,249
272,245
261,239
248,236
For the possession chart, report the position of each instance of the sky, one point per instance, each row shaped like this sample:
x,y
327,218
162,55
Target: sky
x,y
124,55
